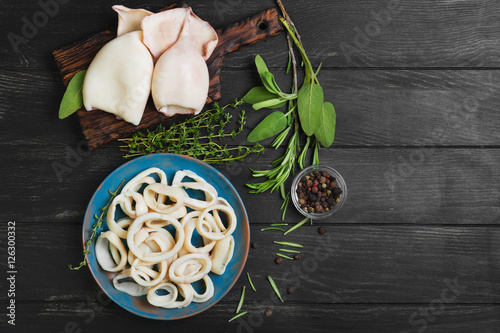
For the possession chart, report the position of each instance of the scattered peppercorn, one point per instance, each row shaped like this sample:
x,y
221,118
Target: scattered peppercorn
x,y
254,245
269,312
296,257
279,260
290,290
322,230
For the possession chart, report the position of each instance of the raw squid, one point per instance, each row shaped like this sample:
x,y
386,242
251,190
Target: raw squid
x,y
129,19
118,80
162,30
180,79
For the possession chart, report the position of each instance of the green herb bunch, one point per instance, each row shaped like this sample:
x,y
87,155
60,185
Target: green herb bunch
x,y
195,137
306,112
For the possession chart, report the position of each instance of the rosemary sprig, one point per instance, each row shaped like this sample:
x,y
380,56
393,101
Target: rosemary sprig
x,y
301,223
284,256
242,299
237,316
195,137
289,244
95,228
275,288
251,283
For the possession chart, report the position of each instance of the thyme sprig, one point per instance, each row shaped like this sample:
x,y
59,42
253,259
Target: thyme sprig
x,y
195,137
95,228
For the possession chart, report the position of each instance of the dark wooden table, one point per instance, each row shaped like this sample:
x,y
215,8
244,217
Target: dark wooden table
x,y
416,248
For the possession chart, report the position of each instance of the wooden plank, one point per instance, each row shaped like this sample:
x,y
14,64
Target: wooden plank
x,y
374,107
349,264
417,34
56,316
385,185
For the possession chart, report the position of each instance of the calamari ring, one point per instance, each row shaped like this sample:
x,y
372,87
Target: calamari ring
x,y
129,287
154,256
203,259
157,277
199,184
222,255
125,201
219,235
169,301
174,193
209,291
189,224
103,255
142,178
163,300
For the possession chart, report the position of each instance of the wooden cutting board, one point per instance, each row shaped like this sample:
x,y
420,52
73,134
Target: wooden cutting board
x,y
101,127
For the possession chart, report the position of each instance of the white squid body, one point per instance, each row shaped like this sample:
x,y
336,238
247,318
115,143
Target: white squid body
x,y
180,79
118,80
129,19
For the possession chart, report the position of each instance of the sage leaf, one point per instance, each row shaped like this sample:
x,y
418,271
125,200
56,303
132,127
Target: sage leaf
x,y
270,104
310,102
73,97
258,94
261,66
326,130
266,77
268,127
270,83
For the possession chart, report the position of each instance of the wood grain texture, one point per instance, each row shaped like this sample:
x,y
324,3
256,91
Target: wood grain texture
x,y
350,264
385,185
101,127
94,316
374,107
427,33
429,78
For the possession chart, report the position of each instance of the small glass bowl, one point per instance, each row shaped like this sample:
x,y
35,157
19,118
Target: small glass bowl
x,y
340,183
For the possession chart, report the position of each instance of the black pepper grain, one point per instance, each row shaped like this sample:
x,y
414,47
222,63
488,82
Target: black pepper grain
x,y
278,260
290,290
322,230
269,312
254,245
296,257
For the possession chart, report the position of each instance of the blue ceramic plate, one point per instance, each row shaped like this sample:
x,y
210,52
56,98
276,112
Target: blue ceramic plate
x,y
170,163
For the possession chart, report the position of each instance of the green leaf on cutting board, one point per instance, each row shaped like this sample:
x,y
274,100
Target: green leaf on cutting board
x,y
326,130
73,97
270,126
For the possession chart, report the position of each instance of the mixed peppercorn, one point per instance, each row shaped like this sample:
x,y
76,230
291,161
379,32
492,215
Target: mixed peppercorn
x,y
318,192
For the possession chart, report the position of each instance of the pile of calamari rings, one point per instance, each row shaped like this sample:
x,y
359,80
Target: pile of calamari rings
x,y
160,264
